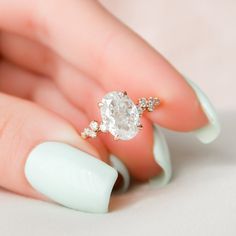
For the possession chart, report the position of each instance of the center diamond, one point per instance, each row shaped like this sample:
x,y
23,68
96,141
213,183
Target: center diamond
x,y
120,115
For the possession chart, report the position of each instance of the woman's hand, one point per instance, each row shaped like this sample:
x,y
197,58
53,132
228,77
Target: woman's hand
x,y
58,59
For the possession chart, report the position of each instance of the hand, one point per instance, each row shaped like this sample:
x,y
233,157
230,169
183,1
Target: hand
x,y
58,59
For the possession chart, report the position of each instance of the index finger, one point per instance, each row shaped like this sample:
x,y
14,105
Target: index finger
x,y
88,36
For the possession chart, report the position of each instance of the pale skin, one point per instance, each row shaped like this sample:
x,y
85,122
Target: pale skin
x,y
58,59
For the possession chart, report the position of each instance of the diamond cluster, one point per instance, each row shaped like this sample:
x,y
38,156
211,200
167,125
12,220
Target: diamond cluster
x,y
147,104
91,131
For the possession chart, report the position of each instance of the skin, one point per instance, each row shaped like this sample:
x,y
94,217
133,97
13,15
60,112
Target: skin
x,y
58,59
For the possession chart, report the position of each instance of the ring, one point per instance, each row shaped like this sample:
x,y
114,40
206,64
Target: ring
x,y
120,116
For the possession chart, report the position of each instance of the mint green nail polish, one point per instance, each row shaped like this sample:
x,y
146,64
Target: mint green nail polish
x,y
162,157
117,164
212,130
70,177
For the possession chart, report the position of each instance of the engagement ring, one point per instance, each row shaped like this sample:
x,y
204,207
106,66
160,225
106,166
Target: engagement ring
x,y
120,116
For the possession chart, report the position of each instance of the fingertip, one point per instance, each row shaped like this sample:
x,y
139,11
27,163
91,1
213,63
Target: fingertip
x,y
123,184
70,177
162,157
180,108
212,129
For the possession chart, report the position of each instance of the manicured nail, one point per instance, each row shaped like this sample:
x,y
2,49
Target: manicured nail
x,y
212,130
162,157
70,177
117,164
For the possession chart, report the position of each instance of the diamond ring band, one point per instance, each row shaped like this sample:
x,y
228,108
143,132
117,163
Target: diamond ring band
x,y
120,116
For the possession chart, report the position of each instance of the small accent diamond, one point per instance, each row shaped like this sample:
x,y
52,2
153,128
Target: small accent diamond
x,y
94,125
140,110
152,102
103,128
143,102
88,133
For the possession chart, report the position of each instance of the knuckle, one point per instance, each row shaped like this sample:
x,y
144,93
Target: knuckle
x,y
34,20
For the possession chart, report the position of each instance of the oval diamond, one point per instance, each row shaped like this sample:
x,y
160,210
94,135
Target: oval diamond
x,y
120,115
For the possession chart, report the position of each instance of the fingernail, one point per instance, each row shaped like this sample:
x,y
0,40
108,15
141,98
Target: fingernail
x,y
212,130
162,157
70,177
117,164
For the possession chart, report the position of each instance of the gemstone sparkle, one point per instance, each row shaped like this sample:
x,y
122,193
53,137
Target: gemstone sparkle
x,y
120,115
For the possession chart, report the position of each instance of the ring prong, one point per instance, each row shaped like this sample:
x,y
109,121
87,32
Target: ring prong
x,y
140,126
100,104
116,137
157,101
125,93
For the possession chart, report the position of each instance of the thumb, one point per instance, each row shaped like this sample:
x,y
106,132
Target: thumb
x,y
43,157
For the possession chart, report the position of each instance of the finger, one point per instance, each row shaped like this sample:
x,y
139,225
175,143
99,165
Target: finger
x,y
70,81
137,153
43,92
37,156
117,53
29,54
39,59
18,82
21,83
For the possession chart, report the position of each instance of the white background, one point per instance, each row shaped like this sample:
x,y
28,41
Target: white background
x,y
199,38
